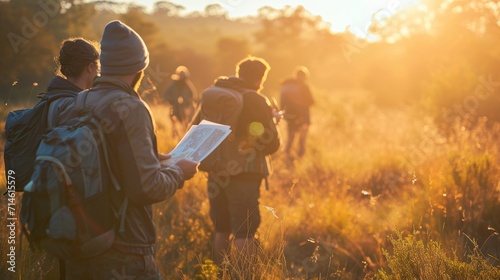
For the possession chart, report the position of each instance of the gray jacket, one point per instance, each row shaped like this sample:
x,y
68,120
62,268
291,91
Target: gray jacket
x,y
129,130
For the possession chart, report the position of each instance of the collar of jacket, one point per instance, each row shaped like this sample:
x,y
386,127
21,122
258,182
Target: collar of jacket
x,y
106,81
58,83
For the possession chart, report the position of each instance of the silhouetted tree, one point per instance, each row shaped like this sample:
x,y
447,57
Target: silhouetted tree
x,y
34,30
441,43
215,10
168,8
293,36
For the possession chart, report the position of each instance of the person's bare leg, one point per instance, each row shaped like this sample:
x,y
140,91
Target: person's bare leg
x,y
302,131
173,121
246,247
221,246
290,137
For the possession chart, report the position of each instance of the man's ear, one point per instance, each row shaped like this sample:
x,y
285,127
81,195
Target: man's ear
x,y
90,68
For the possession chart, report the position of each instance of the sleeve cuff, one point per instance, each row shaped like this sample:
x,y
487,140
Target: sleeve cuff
x,y
179,172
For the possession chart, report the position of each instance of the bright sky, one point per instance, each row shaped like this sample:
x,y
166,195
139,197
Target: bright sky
x,y
339,13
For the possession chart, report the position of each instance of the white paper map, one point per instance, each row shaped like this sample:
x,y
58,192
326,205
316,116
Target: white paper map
x,y
200,141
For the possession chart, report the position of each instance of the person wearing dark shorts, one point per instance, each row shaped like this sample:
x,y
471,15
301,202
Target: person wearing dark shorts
x,y
236,209
234,199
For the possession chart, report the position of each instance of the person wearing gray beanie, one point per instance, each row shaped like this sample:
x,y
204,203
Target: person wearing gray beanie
x,y
122,50
144,175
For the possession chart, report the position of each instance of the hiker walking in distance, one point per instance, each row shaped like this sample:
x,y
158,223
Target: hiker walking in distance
x,y
182,97
296,99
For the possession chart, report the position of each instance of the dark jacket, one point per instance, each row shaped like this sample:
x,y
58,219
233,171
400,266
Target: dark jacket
x,y
129,130
296,98
57,107
180,94
180,88
256,128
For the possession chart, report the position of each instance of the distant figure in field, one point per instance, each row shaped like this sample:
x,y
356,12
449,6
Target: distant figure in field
x,y
182,97
296,99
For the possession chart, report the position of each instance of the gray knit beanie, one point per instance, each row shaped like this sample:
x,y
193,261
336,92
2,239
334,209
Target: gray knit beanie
x,y
122,50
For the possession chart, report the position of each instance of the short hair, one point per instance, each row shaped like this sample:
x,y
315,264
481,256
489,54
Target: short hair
x,y
75,55
252,69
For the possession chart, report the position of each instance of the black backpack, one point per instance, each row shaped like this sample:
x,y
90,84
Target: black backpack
x,y
23,131
224,106
66,206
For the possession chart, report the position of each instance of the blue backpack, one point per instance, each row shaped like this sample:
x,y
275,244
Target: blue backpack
x,y
23,131
66,208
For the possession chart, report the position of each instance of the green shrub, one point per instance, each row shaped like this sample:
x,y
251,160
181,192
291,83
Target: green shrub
x,y
412,259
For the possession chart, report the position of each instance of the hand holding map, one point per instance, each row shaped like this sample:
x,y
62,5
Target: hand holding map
x,y
199,141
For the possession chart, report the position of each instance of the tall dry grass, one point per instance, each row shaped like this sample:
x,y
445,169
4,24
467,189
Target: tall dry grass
x,y
369,173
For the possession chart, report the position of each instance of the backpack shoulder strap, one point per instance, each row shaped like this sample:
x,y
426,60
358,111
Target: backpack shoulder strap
x,y
104,102
80,100
49,110
83,108
59,94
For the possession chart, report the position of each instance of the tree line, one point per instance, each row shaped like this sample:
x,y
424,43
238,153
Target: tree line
x,y
439,55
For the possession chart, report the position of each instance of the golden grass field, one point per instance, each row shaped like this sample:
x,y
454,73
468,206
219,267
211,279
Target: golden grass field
x,y
381,193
